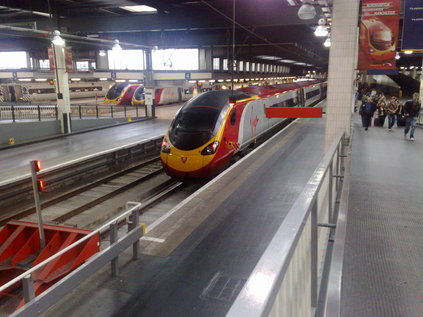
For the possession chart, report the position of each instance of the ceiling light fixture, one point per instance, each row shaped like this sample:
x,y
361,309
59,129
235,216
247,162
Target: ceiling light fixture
x,y
102,53
397,56
306,11
139,9
322,29
57,40
408,52
327,43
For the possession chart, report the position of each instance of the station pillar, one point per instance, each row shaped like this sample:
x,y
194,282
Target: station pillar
x,y
342,68
149,84
62,87
421,83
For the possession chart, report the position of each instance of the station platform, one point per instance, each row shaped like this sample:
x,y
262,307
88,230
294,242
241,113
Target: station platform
x,y
14,162
383,259
218,233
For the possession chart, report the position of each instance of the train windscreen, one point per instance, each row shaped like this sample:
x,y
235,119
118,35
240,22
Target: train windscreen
x,y
139,93
200,118
115,91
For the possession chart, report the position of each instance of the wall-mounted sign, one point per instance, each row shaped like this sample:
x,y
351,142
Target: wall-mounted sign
x,y
378,34
412,30
187,76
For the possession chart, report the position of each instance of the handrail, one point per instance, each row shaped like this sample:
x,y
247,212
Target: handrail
x,y
78,160
259,292
105,226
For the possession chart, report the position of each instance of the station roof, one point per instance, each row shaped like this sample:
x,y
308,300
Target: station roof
x,y
265,30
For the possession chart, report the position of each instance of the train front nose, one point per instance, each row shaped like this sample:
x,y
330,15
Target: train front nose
x,y
182,164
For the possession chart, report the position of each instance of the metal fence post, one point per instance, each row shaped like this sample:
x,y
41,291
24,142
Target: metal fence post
x,y
96,111
13,113
330,211
80,112
145,108
135,219
113,238
28,288
57,114
39,112
136,109
124,110
314,248
111,110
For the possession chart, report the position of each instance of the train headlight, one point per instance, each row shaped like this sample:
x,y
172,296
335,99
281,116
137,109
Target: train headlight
x,y
211,148
165,146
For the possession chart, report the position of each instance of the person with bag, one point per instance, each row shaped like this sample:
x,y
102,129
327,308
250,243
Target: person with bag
x,y
391,110
381,110
412,111
367,110
400,116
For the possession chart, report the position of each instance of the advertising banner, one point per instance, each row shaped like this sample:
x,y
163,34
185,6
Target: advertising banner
x,y
51,58
412,30
378,34
68,59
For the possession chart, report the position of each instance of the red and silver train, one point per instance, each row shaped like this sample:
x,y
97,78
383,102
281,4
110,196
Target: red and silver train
x,y
209,130
133,94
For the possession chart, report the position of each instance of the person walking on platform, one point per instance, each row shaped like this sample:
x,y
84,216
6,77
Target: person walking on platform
x,y
391,110
381,109
411,110
367,110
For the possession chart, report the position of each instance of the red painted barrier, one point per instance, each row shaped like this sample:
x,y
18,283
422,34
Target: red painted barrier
x,y
20,250
294,112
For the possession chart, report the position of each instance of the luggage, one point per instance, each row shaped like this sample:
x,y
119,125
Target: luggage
x,y
376,122
400,121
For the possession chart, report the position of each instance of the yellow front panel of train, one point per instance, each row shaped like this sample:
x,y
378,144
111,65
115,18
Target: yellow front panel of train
x,y
186,161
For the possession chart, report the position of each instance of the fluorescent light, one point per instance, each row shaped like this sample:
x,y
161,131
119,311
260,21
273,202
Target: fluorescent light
x,y
120,80
288,61
408,52
75,79
201,81
192,81
327,43
220,80
44,14
103,79
397,56
212,81
40,79
228,80
139,8
102,53
24,79
133,80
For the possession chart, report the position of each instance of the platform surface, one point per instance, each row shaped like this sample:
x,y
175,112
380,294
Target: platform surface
x,y
383,261
230,222
14,162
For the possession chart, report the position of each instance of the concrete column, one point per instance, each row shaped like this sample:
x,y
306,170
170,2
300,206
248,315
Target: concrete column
x,y
342,65
102,62
421,83
148,75
62,87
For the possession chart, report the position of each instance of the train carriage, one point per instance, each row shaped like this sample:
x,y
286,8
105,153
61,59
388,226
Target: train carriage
x,y
215,126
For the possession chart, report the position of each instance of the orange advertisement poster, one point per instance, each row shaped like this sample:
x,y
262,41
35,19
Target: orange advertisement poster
x,y
378,34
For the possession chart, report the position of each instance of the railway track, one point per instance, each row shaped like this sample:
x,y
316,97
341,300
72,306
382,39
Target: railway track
x,y
64,180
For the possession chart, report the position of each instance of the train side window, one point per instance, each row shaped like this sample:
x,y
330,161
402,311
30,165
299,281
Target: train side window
x,y
233,117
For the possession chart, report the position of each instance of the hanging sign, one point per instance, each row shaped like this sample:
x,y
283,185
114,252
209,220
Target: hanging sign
x,y
378,34
412,29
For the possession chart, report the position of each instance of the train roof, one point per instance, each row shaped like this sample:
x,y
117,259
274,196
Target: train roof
x,y
274,89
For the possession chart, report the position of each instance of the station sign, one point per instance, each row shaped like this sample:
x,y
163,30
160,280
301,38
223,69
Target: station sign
x,y
412,30
379,26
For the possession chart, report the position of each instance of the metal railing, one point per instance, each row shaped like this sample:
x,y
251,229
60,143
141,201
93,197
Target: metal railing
x,y
35,305
288,277
25,112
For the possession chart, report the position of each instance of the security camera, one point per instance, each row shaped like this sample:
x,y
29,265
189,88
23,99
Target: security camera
x,y
322,21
